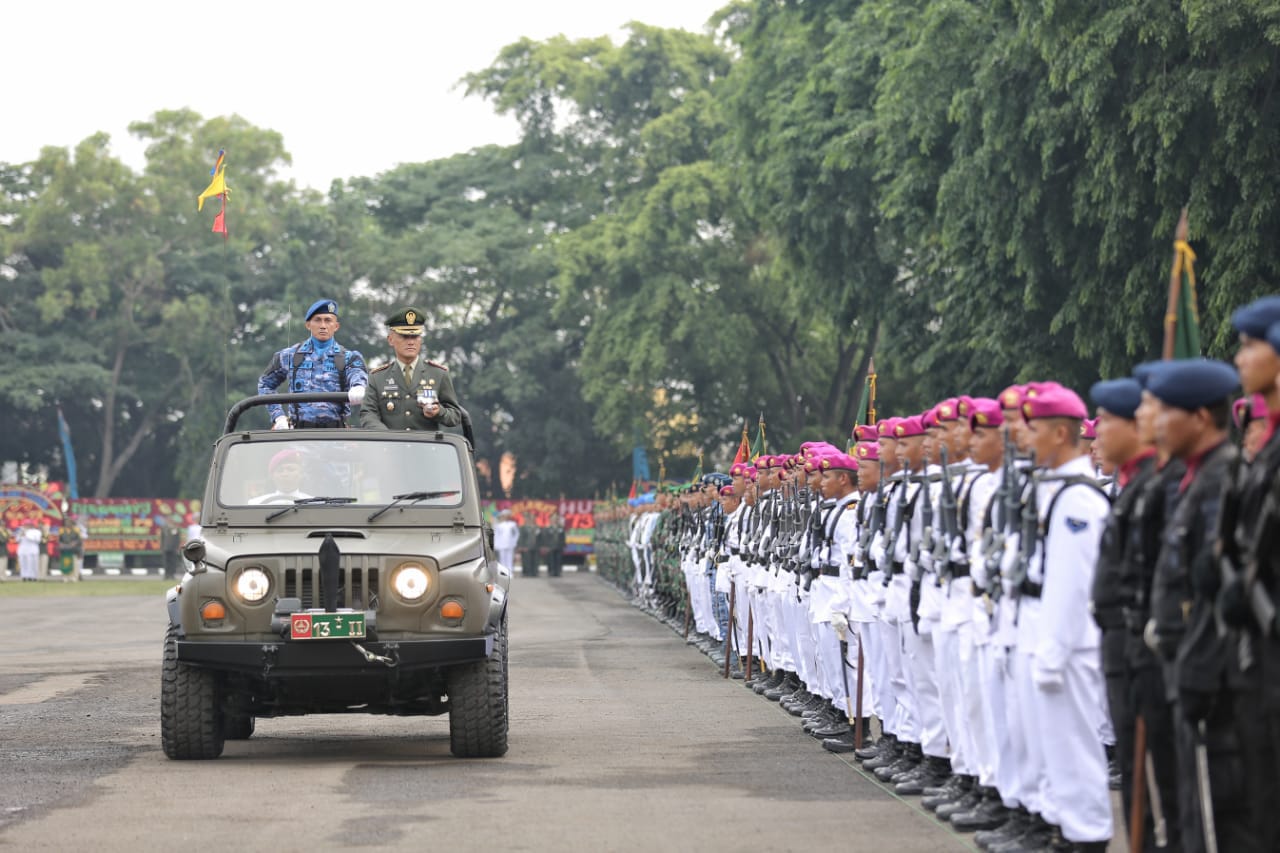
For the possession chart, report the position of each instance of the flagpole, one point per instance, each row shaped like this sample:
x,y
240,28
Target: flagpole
x,y
1175,286
871,383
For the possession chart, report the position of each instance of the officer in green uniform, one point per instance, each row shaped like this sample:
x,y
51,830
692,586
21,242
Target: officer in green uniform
x,y
409,392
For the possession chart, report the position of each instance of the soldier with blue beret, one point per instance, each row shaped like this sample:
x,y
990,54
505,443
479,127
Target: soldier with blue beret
x,y
1251,569
319,363
1184,629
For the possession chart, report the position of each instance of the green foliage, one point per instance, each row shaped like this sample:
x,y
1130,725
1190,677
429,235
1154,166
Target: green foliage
x,y
691,229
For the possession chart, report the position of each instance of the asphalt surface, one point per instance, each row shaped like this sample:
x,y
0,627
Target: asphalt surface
x,y
622,738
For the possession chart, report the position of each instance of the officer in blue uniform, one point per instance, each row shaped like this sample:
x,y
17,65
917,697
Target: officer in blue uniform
x,y
317,364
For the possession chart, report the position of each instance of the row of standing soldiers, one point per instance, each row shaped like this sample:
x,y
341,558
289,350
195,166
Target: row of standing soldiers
x,y
1010,587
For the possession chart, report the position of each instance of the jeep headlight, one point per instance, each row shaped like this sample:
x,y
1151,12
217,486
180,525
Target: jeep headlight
x,y
411,582
253,585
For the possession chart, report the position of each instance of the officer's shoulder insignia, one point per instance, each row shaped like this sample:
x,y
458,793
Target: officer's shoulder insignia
x,y
380,368
434,363
1076,525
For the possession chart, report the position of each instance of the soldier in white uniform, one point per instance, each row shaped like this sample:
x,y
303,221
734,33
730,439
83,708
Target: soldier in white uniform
x,y
506,534
1060,645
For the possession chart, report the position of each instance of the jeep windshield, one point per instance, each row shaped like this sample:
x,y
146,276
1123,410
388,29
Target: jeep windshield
x,y
339,472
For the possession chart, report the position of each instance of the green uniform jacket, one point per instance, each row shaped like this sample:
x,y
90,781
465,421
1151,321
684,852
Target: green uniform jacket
x,y
389,405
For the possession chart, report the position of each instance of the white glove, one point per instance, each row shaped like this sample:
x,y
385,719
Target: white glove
x,y
925,561
1048,680
281,423
911,569
841,623
957,551
356,394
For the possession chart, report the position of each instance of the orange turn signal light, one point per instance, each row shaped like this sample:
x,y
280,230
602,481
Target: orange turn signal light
x,y
451,610
212,611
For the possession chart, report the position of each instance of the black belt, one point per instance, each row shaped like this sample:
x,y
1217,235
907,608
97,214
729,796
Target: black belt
x,y
1031,588
831,571
335,424
976,590
959,570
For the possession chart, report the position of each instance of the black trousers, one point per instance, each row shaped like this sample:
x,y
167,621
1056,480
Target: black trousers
x,y
555,562
1140,691
1258,729
1230,794
529,562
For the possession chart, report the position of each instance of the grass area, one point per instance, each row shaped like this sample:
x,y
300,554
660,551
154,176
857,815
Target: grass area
x,y
12,587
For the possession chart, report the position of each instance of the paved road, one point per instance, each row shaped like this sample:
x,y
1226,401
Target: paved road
x,y
622,739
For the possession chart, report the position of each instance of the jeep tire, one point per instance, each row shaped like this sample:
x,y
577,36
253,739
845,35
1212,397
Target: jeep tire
x,y
191,725
478,706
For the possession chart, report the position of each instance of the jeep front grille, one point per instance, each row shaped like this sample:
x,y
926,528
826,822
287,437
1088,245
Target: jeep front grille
x,y
357,583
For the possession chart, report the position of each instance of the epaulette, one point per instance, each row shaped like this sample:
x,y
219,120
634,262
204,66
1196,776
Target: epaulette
x,y
437,364
380,368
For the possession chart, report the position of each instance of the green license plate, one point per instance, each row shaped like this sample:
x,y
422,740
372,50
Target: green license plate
x,y
326,626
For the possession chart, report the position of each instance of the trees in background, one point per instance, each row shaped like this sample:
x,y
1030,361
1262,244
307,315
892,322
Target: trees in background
x,y
692,229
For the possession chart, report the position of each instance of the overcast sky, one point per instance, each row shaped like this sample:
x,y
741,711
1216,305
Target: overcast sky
x,y
354,88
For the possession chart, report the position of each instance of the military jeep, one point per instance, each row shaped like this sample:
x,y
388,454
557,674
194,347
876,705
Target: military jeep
x,y
339,571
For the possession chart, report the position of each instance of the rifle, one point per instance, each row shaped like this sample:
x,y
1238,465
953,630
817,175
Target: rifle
x,y
891,542
1029,533
1008,503
876,523
947,509
925,543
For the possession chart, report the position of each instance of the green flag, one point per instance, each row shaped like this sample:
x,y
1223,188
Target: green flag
x,y
759,447
697,472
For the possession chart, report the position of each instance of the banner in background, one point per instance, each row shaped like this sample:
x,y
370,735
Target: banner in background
x,y
112,525
579,520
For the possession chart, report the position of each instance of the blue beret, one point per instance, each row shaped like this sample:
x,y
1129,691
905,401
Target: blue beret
x,y
1273,337
715,478
1142,372
324,306
1255,318
1120,397
1194,382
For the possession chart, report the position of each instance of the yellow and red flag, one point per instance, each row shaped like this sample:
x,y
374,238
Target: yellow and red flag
x,y
217,189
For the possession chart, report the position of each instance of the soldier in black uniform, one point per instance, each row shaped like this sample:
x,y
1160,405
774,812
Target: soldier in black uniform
x,y
1184,627
1121,590
1250,533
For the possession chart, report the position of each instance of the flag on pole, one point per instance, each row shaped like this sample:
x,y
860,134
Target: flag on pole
x,y
697,472
1182,317
64,433
760,446
639,464
744,448
217,189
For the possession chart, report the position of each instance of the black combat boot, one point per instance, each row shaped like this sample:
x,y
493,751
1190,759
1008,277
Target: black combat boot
x,y
911,757
872,748
841,743
790,684
956,786
967,799
891,752
1036,839
933,771
773,680
988,814
1018,823
837,726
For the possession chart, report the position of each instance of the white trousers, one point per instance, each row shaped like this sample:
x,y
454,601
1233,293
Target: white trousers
x,y
946,667
1028,730
507,557
1074,786
923,685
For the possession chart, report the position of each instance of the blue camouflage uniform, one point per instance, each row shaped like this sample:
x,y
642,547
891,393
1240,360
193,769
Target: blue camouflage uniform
x,y
316,372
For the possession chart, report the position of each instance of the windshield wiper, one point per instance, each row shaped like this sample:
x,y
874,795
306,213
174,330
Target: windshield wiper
x,y
304,501
412,497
